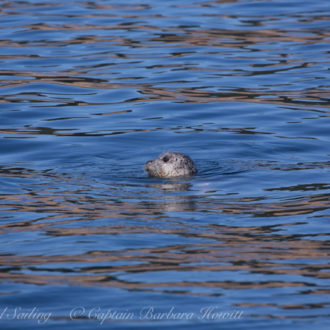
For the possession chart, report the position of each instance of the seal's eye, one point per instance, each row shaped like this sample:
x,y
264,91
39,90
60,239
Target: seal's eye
x,y
166,159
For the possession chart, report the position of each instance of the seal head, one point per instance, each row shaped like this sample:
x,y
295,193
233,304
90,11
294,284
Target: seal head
x,y
170,164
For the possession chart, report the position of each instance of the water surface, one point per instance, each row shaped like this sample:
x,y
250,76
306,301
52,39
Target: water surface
x,y
90,91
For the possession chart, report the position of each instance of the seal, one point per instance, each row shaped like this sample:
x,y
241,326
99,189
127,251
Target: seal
x,y
170,164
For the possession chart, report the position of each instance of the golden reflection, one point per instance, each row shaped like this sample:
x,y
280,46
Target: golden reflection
x,y
235,249
212,248
178,37
188,95
264,250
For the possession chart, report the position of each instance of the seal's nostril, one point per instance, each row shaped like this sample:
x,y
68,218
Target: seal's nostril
x,y
147,164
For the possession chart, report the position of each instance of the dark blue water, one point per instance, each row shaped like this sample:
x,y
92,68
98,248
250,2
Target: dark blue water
x,y
91,90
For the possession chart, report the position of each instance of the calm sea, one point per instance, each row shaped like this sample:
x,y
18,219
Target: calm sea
x,y
91,90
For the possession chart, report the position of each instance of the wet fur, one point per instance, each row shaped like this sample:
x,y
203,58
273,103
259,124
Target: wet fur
x,y
171,164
